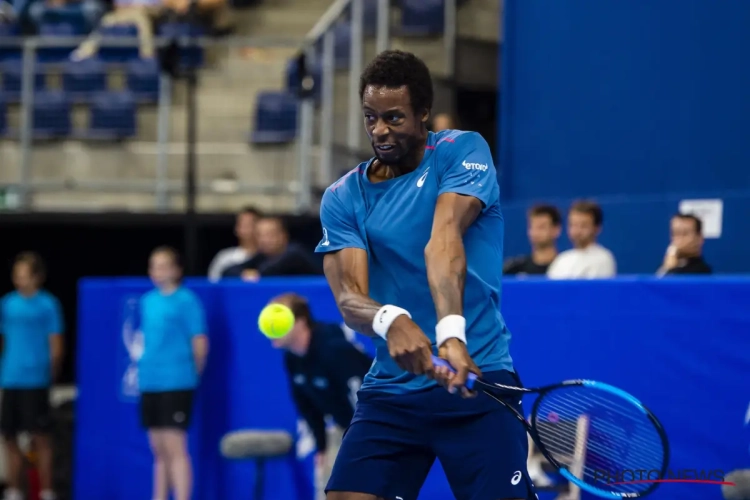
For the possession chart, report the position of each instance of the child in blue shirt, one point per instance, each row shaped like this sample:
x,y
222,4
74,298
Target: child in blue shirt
x,y
31,325
174,355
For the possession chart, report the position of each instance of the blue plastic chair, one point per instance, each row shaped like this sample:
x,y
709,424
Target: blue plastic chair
x,y
143,79
51,115
113,116
422,17
82,79
275,118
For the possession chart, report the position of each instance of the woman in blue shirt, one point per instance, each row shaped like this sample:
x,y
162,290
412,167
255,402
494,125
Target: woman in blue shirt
x,y
31,326
174,354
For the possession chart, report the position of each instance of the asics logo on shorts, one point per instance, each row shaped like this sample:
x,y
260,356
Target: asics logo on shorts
x,y
516,478
474,166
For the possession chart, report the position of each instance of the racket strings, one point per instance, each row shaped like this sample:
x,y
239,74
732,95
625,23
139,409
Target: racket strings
x,y
601,438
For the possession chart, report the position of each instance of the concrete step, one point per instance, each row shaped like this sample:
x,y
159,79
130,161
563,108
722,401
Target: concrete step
x,y
480,20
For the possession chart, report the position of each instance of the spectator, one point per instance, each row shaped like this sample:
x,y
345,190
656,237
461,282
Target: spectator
x,y
544,226
31,325
685,252
215,15
325,372
587,259
244,229
86,12
443,121
279,257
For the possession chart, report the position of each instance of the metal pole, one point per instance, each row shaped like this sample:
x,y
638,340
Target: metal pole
x,y
382,42
191,223
306,122
27,118
162,138
355,68
326,107
449,37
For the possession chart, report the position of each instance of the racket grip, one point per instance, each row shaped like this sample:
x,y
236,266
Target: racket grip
x,y
441,362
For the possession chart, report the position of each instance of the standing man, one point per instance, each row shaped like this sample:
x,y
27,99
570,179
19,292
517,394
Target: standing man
x,y
325,372
32,326
544,226
244,229
587,259
412,241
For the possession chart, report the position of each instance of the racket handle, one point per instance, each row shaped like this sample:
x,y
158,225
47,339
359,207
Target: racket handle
x,y
441,362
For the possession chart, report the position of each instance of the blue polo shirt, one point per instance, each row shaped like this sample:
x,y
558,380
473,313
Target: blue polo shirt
x,y
26,324
168,323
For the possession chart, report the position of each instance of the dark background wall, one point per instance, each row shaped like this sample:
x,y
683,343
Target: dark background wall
x,y
75,246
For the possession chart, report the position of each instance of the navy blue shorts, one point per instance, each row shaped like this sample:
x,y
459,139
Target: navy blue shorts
x,y
394,439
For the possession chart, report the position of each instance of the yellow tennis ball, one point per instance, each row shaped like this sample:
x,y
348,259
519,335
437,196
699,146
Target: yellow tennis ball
x,y
275,321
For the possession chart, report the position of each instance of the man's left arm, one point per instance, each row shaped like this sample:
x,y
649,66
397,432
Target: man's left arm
x,y
468,185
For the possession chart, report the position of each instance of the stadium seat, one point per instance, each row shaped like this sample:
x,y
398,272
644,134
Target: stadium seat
x,y
11,72
292,76
143,79
59,53
191,56
343,39
51,114
113,116
10,51
82,79
275,118
118,54
422,17
370,17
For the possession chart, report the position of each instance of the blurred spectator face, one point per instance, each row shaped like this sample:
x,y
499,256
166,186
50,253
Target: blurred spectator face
x,y
272,238
685,237
162,269
582,231
442,121
292,340
542,231
244,227
24,278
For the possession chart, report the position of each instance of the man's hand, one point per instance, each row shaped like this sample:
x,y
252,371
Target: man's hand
x,y
409,347
454,352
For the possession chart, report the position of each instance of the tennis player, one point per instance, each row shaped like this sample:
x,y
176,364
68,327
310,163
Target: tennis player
x,y
174,355
413,241
31,324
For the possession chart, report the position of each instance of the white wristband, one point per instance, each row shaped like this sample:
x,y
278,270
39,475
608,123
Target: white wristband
x,y
385,316
450,327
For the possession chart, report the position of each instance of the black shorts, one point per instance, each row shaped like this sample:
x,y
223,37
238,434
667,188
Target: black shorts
x,y
164,410
25,410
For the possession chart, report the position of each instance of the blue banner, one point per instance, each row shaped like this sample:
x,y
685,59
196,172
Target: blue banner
x,y
680,345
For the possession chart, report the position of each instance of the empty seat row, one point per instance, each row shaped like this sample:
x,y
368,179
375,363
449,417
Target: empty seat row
x,y
82,79
113,115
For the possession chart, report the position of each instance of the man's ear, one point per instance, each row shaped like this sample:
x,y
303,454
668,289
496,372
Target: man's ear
x,y
425,116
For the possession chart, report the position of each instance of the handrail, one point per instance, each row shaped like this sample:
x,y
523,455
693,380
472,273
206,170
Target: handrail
x,y
329,17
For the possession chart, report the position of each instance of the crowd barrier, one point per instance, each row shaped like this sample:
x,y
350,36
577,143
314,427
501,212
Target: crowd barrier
x,y
681,345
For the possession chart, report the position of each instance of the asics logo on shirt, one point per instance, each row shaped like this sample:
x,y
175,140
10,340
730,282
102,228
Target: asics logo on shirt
x,y
421,180
474,166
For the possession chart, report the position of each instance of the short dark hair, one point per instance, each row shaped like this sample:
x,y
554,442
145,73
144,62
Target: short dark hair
x,y
550,211
698,223
298,304
171,251
396,68
591,208
279,221
34,261
249,209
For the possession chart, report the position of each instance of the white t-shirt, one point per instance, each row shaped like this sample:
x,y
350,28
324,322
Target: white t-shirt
x,y
594,261
225,259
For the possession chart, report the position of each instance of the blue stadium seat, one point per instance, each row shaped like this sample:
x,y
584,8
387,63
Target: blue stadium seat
x,y
82,79
191,56
11,72
3,119
422,17
342,40
51,31
51,114
10,31
275,118
292,77
370,17
113,116
114,54
143,79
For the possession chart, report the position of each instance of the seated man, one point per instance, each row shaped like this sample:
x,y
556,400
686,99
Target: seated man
x,y
685,252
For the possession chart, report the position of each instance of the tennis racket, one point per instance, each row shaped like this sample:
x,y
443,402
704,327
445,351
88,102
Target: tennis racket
x,y
600,438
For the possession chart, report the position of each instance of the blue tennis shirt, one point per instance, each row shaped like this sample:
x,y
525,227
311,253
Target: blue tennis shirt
x,y
169,323
26,324
392,221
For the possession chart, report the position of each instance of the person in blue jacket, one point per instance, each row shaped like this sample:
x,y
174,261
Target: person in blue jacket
x,y
31,325
175,347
